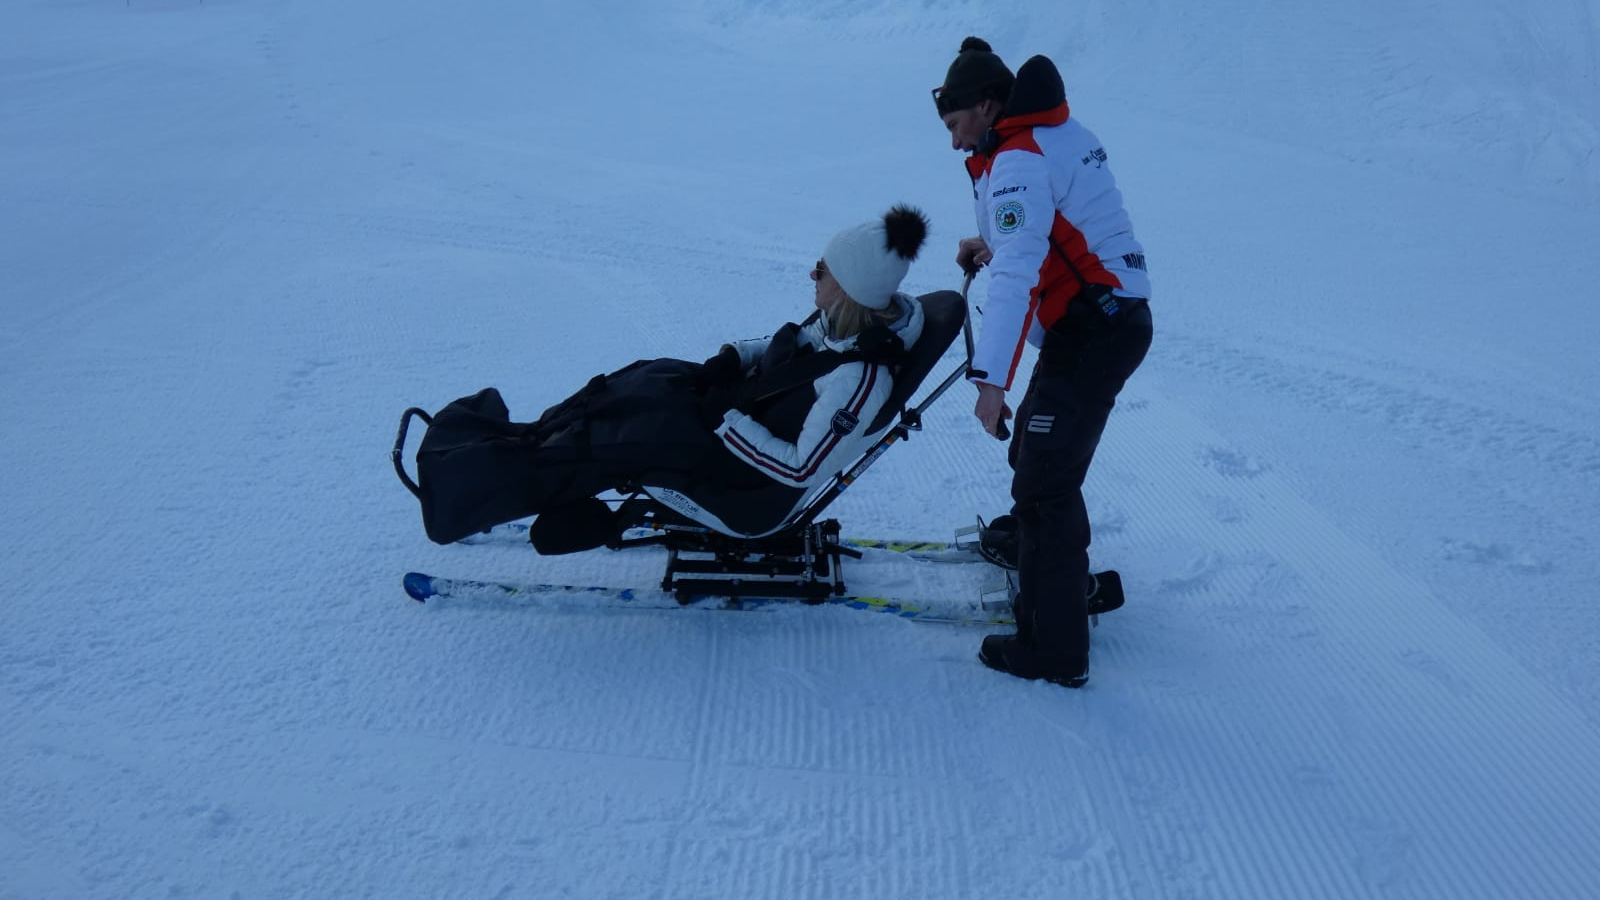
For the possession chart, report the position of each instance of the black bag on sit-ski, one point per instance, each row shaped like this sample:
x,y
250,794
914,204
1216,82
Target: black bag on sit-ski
x,y
472,470
476,468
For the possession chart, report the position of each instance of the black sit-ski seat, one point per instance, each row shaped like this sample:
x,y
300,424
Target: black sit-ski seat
x,y
768,540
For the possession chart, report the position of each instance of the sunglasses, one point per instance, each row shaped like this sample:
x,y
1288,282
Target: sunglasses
x,y
946,102
819,270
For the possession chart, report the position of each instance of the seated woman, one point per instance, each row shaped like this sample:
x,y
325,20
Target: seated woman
x,y
733,442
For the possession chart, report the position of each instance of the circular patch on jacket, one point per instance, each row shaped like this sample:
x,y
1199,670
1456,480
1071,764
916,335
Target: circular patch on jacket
x,y
1009,217
844,422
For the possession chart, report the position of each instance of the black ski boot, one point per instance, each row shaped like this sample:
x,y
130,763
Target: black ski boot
x,y
1105,592
997,541
1020,655
1007,653
578,526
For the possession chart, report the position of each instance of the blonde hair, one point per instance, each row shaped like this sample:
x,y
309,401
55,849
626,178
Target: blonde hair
x,y
849,318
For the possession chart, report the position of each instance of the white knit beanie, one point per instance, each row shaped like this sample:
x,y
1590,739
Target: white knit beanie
x,y
869,260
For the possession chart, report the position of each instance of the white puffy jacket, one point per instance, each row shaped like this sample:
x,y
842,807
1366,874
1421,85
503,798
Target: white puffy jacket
x,y
835,429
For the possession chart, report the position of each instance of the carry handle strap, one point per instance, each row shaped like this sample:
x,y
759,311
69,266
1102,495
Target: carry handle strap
x,y
400,446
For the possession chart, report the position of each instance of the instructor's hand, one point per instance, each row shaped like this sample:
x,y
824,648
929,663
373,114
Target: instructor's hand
x,y
972,254
992,410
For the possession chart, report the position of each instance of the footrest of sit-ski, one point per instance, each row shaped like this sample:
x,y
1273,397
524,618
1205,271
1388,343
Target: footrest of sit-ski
x,y
967,536
1002,595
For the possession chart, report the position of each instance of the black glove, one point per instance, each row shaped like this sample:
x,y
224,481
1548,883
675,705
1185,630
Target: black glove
x,y
719,371
711,410
878,344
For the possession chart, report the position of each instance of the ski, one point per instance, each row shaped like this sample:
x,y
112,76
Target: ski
x,y
423,587
927,551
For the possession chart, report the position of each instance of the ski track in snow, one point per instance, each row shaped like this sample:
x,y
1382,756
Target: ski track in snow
x,y
311,216
1297,596
1459,443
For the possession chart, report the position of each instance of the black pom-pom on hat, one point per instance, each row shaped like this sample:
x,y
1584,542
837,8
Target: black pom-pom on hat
x,y
976,43
905,228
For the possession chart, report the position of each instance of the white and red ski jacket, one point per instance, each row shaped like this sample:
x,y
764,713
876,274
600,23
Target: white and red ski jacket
x,y
834,433
1051,214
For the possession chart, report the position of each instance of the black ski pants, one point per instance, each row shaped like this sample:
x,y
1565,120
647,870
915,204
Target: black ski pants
x,y
1081,368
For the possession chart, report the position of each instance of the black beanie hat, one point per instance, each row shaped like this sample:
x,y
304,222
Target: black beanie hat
x,y
975,76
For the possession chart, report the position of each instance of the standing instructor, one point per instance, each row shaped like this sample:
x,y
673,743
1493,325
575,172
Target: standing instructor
x,y
1067,275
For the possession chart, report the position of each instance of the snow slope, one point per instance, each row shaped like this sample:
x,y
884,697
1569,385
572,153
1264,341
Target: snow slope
x,y
1353,490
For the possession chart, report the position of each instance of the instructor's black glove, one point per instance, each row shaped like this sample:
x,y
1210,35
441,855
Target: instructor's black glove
x,y
721,370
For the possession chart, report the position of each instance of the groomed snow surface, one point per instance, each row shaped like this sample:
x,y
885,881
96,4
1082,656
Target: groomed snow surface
x,y
1353,490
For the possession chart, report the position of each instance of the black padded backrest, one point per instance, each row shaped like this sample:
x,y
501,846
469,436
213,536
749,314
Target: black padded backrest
x,y
943,313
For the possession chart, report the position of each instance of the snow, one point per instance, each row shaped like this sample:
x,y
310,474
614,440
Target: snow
x,y
1353,490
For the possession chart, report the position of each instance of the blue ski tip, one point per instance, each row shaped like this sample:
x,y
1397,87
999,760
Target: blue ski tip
x,y
419,586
